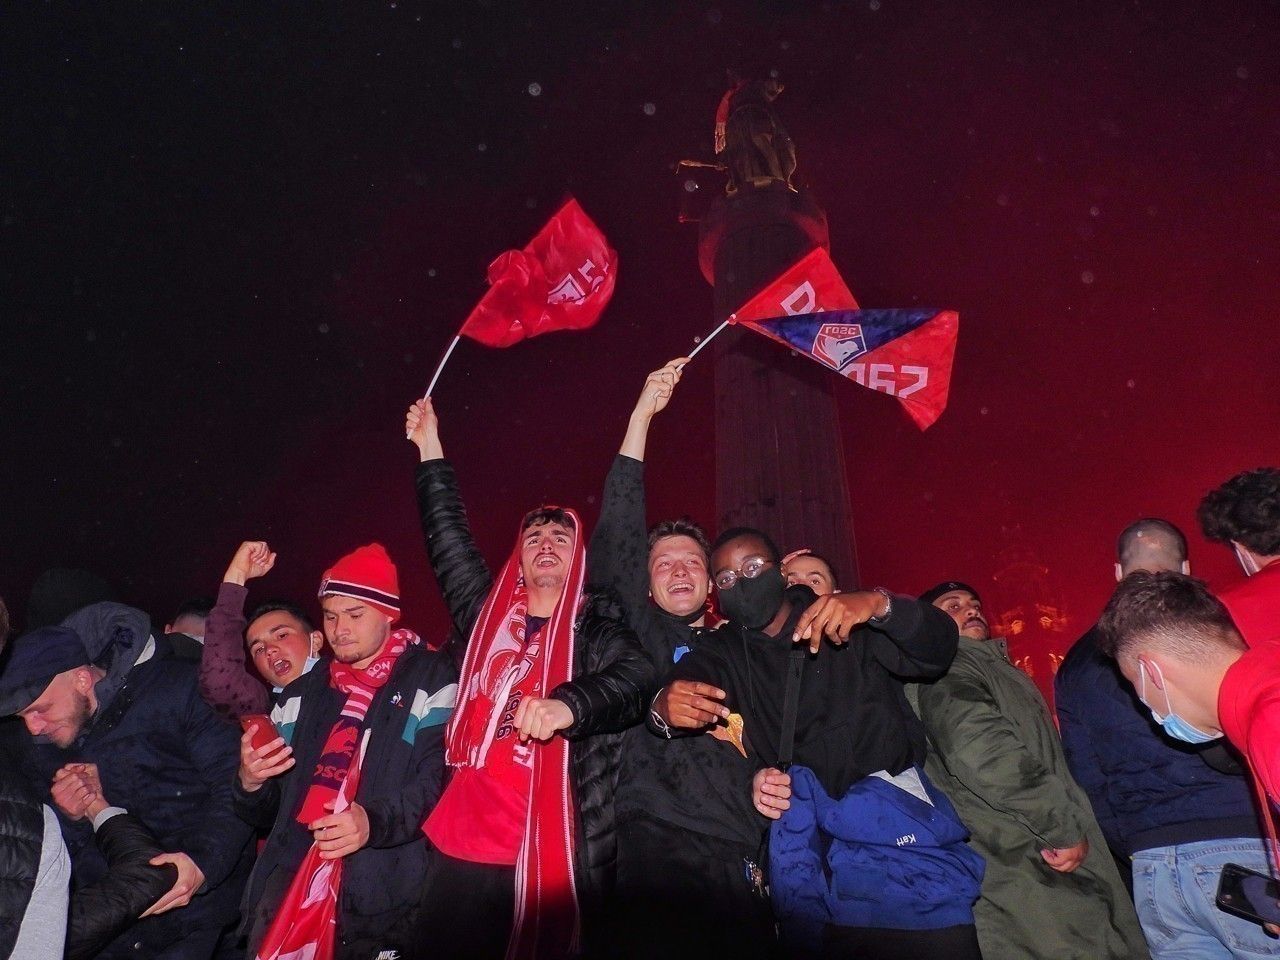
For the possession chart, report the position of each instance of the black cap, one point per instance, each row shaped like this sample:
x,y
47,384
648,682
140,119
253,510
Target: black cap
x,y
34,660
946,586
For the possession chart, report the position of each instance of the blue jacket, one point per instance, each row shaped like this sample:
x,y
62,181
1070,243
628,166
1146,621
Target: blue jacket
x,y
877,857
1146,789
167,758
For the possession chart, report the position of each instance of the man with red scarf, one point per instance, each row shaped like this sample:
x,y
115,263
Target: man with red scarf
x,y
379,680
550,678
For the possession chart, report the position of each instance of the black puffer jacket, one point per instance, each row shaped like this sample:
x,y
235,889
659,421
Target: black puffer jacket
x,y
102,910
21,835
610,672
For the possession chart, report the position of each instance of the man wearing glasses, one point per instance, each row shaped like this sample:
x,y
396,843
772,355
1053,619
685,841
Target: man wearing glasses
x,y
849,725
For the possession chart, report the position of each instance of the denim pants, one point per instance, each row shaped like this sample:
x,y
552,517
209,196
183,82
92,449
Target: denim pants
x,y
1174,889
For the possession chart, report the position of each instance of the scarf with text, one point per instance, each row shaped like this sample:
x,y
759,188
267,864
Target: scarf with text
x,y
306,920
546,918
360,686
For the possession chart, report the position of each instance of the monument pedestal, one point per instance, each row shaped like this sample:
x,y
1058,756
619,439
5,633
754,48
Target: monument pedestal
x,y
779,457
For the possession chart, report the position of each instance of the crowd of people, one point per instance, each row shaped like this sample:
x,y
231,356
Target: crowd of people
x,y
640,744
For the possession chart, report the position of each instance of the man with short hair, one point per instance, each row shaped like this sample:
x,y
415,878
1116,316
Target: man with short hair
x,y
811,569
1245,513
550,678
189,618
1171,813
281,642
1177,646
996,754
381,681
687,832
855,815
108,693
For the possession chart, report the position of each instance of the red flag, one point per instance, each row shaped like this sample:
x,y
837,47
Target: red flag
x,y
907,354
562,280
812,284
306,920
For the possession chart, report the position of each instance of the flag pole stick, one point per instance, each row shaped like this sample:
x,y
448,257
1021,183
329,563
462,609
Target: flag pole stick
x,y
710,336
439,367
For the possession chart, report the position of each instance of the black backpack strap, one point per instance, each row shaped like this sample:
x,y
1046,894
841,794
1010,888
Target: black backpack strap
x,y
790,707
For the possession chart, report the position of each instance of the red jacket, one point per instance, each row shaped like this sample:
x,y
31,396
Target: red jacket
x,y
1254,604
1249,712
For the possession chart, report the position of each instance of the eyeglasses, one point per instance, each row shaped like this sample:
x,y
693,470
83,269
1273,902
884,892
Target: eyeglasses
x,y
751,568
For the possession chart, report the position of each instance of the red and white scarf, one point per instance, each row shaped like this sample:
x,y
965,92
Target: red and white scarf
x,y
546,919
305,923
360,686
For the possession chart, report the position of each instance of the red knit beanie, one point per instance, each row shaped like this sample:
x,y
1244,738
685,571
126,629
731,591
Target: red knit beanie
x,y
367,575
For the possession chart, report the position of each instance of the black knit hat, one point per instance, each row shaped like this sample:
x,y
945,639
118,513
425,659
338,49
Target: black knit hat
x,y
946,586
34,660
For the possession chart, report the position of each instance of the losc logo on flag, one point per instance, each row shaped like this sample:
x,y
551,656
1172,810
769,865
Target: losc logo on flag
x,y
578,285
839,344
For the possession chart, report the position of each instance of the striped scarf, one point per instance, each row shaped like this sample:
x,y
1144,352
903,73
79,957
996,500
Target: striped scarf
x,y
360,686
546,921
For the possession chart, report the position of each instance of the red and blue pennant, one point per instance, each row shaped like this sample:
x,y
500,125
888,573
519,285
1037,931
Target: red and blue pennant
x,y
906,353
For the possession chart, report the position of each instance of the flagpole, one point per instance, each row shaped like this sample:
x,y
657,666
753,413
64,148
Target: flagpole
x,y
711,336
440,366
436,376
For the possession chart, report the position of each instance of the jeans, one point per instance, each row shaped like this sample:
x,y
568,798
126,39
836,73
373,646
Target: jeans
x,y
1174,889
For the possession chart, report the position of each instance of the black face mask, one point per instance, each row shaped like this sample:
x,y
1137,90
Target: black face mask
x,y
686,619
754,603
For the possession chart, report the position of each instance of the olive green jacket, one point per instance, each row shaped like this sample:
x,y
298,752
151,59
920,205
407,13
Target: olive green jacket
x,y
995,752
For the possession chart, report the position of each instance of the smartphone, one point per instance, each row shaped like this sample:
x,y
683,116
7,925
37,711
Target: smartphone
x,y
264,731
1249,894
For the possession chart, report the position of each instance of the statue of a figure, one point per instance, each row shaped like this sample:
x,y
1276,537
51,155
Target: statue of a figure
x,y
750,139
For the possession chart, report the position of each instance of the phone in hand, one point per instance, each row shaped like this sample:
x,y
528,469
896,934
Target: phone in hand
x,y
264,731
1249,894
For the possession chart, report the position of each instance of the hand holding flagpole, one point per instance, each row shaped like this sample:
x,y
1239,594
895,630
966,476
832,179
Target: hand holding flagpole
x,y
436,376
440,366
710,336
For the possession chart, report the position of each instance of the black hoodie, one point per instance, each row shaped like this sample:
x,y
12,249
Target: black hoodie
x,y
850,721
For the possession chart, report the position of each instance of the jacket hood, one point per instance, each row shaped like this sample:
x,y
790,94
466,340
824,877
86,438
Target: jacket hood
x,y
117,638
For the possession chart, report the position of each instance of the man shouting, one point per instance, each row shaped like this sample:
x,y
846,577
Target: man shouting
x,y
526,825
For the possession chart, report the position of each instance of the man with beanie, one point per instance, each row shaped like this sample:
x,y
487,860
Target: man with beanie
x,y
103,697
549,680
382,681
1051,890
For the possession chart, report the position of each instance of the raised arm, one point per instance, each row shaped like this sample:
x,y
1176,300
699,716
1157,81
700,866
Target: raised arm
x,y
460,570
225,681
617,559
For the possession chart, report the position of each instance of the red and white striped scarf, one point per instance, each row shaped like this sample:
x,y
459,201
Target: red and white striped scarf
x,y
546,922
306,920
360,686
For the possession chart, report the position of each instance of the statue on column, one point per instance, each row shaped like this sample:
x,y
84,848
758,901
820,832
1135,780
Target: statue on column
x,y
751,143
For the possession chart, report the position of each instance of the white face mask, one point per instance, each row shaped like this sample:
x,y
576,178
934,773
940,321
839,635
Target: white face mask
x,y
1246,561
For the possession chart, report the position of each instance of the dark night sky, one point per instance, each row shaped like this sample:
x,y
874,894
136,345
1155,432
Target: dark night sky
x,y
236,238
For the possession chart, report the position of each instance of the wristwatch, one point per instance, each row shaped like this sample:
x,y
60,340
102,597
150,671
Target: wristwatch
x,y
888,605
